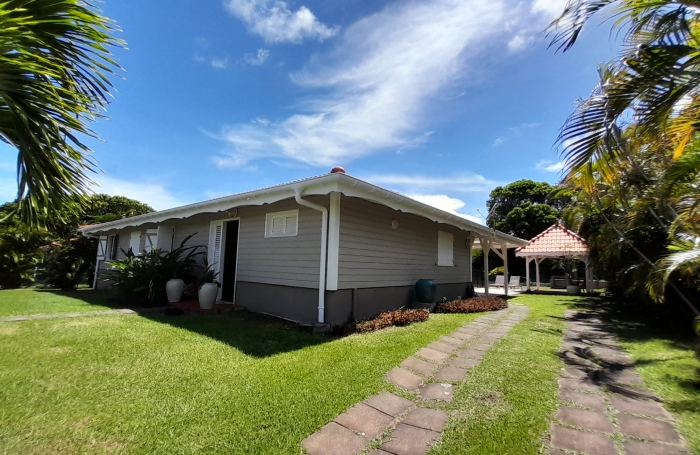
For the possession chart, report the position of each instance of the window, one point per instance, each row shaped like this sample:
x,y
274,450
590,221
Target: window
x,y
282,224
112,247
445,249
151,239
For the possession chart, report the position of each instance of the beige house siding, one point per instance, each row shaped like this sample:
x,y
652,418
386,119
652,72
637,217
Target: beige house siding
x,y
373,254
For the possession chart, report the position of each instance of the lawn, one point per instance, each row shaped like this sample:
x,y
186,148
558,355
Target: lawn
x,y
241,383
203,384
15,302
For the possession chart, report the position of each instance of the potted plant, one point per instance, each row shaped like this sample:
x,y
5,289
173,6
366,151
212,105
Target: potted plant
x,y
209,288
570,263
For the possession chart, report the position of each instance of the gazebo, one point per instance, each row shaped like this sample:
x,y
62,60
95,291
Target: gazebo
x,y
556,242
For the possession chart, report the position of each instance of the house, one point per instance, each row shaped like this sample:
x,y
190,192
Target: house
x,y
325,249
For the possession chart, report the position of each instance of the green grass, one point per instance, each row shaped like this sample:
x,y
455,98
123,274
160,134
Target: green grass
x,y
506,403
16,302
204,384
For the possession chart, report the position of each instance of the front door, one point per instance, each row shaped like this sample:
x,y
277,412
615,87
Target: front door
x,y
227,276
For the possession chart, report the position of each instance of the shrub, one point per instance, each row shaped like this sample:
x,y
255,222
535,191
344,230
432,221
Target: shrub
x,y
19,253
142,278
70,262
392,318
473,305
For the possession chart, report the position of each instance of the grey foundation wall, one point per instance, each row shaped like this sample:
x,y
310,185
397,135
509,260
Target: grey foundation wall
x,y
301,304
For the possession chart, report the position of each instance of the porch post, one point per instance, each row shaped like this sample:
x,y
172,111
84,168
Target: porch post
x,y
486,247
504,252
527,272
537,271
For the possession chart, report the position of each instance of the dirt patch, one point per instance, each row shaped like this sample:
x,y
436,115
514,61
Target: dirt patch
x,y
490,404
59,350
8,331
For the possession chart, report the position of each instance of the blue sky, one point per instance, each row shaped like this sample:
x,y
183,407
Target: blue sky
x,y
439,99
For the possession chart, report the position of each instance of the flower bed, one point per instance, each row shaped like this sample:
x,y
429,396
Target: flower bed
x,y
383,320
473,305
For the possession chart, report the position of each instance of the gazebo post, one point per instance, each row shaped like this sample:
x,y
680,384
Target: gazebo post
x,y
527,272
504,252
537,272
588,276
486,247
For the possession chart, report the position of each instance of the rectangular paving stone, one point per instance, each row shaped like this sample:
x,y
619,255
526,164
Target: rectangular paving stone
x,y
589,400
389,403
432,354
365,420
638,406
451,340
575,373
626,376
403,378
451,373
461,336
584,418
379,452
428,419
631,391
579,384
437,391
652,430
463,362
481,346
410,440
334,439
419,366
442,347
471,353
582,441
634,447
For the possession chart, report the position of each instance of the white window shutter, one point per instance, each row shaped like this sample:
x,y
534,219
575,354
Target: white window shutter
x,y
445,249
151,239
282,224
135,242
113,246
216,240
102,248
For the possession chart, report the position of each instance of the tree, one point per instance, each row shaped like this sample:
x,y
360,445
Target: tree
x,y
524,208
635,172
54,63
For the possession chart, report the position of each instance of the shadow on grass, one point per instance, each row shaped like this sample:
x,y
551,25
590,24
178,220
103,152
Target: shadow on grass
x,y
256,335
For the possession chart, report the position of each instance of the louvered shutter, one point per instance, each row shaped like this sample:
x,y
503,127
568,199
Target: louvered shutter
x,y
102,248
445,249
216,238
282,224
113,247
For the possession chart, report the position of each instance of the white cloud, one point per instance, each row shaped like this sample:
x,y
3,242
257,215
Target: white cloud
x,y
373,91
551,9
276,23
549,166
153,194
498,141
415,184
446,203
219,63
257,59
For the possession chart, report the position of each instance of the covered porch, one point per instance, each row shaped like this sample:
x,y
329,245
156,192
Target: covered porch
x,y
498,243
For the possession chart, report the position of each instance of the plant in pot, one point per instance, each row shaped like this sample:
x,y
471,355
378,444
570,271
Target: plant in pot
x,y
208,288
570,265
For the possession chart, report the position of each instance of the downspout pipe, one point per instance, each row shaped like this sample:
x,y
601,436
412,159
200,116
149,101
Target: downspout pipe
x,y
324,248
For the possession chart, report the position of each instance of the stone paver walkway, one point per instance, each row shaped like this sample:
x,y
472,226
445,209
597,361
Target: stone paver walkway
x,y
31,317
387,424
607,409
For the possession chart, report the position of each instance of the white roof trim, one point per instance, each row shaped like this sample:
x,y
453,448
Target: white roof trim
x,y
321,185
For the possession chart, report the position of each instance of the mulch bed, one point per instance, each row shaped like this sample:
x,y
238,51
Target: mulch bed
x,y
473,305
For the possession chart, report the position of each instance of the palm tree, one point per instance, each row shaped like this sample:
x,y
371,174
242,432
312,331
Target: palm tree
x,y
54,63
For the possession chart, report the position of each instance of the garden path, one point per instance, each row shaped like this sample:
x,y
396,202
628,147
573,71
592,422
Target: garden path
x,y
608,410
389,424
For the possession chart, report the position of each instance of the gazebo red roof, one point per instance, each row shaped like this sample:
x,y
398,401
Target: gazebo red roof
x,y
555,240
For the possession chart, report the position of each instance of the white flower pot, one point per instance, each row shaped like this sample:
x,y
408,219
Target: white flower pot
x,y
173,289
573,289
207,295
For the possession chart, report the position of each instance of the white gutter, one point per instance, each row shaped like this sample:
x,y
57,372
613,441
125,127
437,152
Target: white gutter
x,y
322,265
